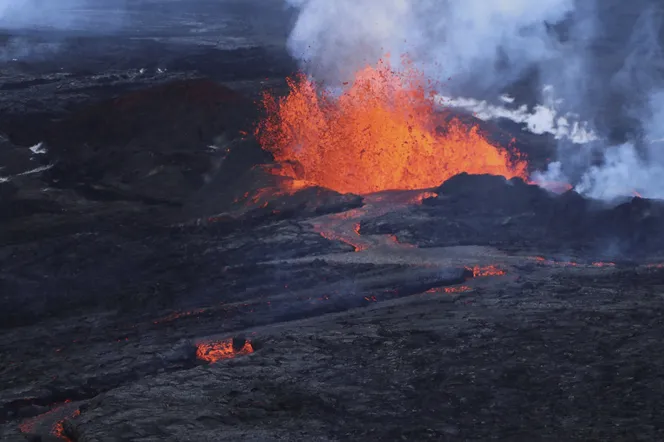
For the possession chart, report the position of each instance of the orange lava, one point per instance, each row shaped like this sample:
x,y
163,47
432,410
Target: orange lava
x,y
331,232
603,264
381,133
422,196
262,196
356,228
215,351
486,271
57,429
395,240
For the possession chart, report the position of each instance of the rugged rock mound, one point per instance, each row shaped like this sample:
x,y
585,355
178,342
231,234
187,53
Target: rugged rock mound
x,y
485,209
158,144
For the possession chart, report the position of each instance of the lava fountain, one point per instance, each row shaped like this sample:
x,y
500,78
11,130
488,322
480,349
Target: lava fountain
x,y
382,132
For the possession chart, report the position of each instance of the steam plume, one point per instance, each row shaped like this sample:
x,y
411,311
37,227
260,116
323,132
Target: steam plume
x,y
492,43
600,59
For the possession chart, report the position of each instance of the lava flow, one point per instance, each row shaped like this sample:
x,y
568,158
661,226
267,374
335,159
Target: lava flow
x,y
381,133
54,418
215,351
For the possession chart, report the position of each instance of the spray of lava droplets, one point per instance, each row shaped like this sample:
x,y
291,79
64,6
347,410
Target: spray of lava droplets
x,y
380,133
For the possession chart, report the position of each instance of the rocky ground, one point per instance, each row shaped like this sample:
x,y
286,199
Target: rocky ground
x,y
156,284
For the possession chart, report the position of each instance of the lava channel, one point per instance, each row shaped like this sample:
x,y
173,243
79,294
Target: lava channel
x,y
55,417
382,132
345,226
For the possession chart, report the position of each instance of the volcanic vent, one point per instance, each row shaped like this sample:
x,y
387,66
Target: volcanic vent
x,y
381,132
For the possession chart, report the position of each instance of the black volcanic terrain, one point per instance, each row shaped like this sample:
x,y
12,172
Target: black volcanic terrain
x,y
156,284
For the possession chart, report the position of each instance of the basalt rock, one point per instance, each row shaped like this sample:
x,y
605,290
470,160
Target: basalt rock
x,y
158,144
485,209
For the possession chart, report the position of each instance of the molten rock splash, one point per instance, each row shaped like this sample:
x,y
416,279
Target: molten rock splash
x,y
215,351
380,133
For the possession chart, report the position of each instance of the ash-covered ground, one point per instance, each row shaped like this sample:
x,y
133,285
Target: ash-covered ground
x,y
143,230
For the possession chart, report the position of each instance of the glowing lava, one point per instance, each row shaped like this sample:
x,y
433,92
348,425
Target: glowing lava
x,y
380,133
479,271
215,351
56,417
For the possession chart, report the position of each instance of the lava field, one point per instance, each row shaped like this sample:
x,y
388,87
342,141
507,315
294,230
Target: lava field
x,y
174,269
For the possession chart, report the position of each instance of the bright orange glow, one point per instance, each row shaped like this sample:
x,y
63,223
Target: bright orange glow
x,y
486,271
57,430
216,351
352,239
422,196
395,240
381,133
603,264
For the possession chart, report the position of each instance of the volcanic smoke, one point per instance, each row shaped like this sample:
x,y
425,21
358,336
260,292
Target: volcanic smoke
x,y
381,132
595,64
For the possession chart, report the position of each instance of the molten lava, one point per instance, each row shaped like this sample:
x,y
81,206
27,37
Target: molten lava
x,y
56,417
381,133
479,271
215,351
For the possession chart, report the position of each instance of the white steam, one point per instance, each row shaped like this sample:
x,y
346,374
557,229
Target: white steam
x,y
602,61
542,119
454,39
635,167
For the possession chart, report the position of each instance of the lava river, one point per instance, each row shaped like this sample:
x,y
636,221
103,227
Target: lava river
x,y
482,261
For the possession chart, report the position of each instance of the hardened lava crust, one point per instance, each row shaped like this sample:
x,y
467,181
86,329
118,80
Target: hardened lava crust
x,y
159,282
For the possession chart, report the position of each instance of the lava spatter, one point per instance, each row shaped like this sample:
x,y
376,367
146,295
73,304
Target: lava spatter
x,y
490,270
381,133
218,350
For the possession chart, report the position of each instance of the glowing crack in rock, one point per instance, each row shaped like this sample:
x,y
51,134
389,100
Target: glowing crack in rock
x,y
60,413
